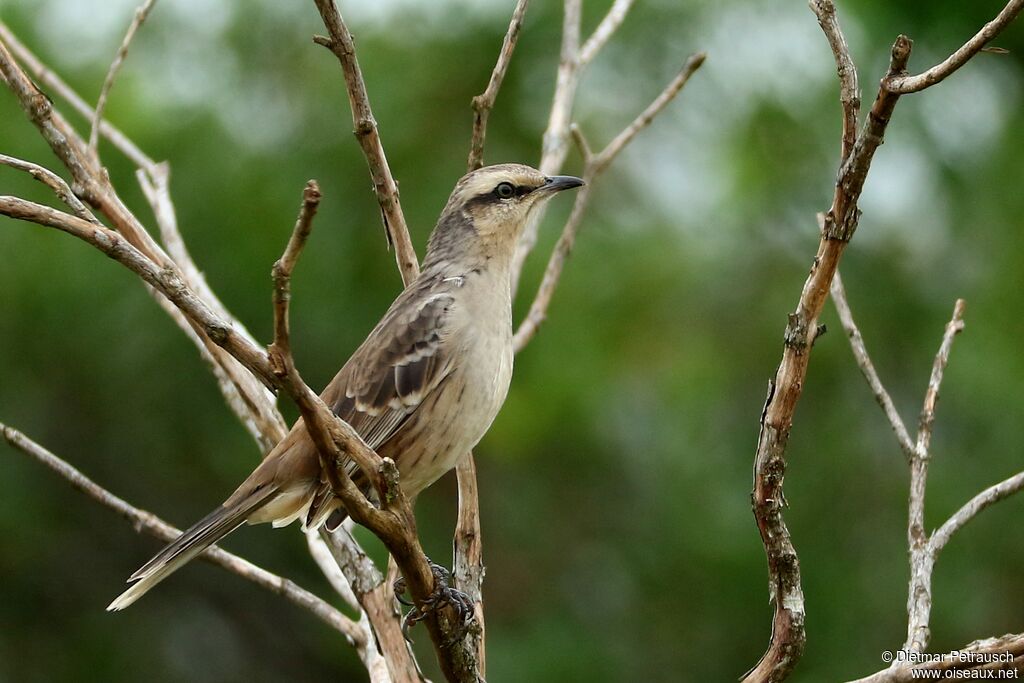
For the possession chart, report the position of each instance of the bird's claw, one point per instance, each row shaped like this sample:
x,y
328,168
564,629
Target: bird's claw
x,y
443,595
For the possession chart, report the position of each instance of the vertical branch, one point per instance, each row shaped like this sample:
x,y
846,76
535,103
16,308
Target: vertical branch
x,y
468,553
849,89
784,391
922,559
341,44
483,103
555,143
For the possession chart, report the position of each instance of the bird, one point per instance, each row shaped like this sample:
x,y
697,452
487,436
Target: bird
x,y
422,389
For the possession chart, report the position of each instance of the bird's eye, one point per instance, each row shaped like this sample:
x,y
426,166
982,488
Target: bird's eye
x,y
504,190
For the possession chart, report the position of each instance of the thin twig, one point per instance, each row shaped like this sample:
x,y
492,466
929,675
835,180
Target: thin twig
x,y
556,263
993,494
253,404
55,84
375,662
484,102
555,143
341,44
922,561
115,66
904,83
281,348
931,396
469,554
593,166
849,89
54,182
92,185
142,520
605,157
867,368
605,30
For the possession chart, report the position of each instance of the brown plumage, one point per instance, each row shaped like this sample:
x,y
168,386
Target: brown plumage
x,y
424,386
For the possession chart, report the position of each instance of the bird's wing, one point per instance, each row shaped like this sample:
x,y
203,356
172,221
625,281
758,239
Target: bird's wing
x,y
403,360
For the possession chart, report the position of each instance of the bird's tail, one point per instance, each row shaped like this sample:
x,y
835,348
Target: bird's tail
x,y
191,543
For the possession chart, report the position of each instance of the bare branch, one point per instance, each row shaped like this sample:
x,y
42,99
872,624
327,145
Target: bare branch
x,y
608,154
377,599
593,166
281,348
931,397
55,183
375,663
993,494
483,103
922,560
92,185
1009,648
553,272
468,553
903,83
142,520
605,30
253,405
867,368
788,637
849,89
55,84
555,143
343,47
115,66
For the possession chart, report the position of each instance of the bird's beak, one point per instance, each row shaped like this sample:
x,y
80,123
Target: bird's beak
x,y
557,183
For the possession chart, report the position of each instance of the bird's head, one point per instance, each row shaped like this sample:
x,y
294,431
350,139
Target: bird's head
x,y
490,206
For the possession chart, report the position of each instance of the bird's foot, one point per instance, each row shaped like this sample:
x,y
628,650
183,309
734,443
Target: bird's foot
x,y
443,595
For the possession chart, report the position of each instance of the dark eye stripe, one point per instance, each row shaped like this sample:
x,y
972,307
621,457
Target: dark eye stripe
x,y
492,196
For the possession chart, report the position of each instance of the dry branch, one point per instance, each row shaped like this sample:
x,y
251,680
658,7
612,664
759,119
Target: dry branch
x,y
593,166
784,390
555,142
867,368
605,30
907,84
467,550
341,44
281,348
1009,647
484,102
56,85
377,600
922,560
54,182
115,66
846,70
253,404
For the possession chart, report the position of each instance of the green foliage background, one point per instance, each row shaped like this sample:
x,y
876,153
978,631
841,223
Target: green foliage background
x,y
619,540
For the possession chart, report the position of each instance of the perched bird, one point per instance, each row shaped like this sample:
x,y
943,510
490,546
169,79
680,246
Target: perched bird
x,y
422,389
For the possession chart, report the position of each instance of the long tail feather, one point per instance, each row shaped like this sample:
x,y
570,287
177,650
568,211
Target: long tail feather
x,y
190,544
